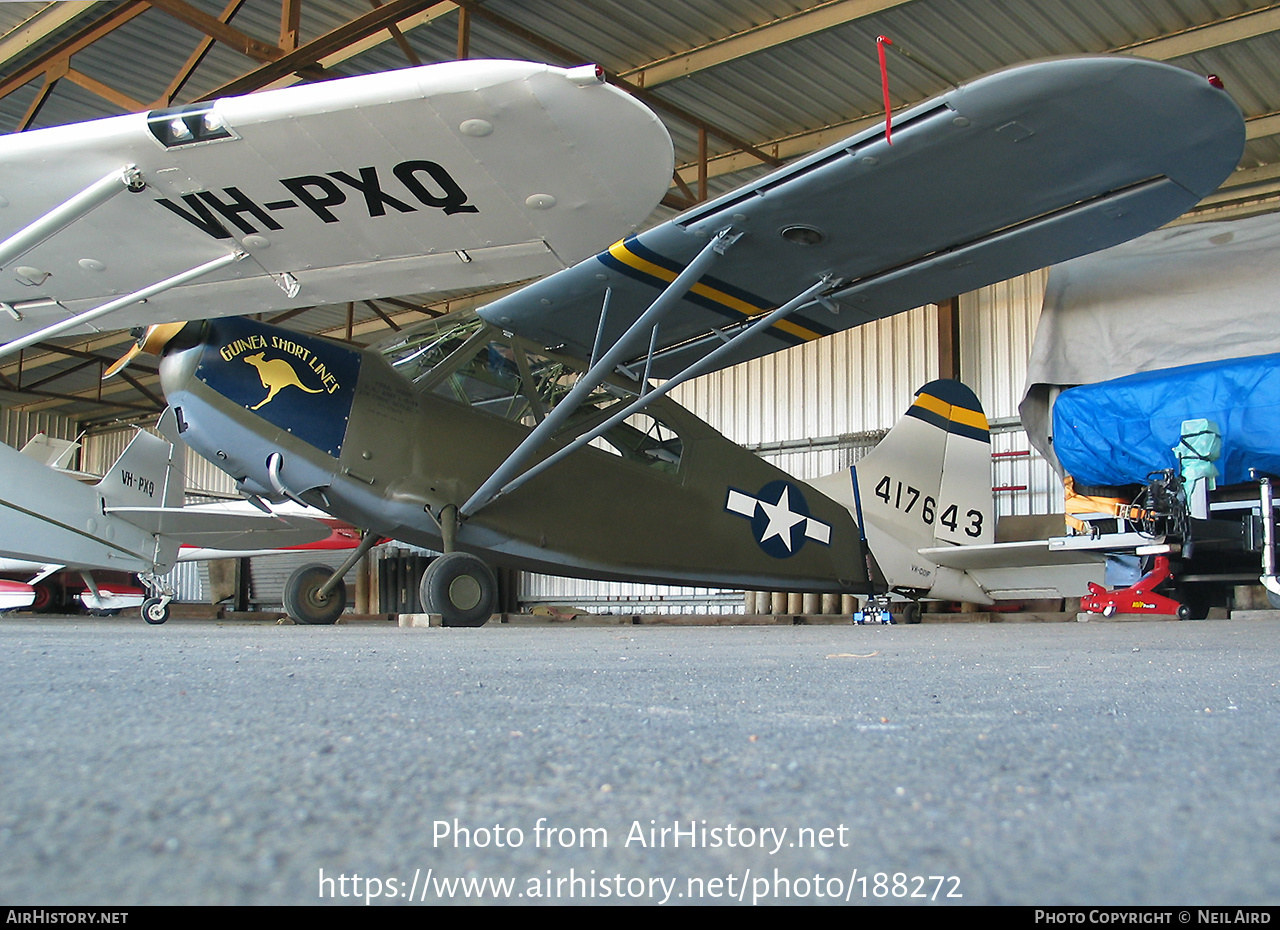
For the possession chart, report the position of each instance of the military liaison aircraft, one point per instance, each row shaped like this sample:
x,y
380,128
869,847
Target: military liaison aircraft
x,y
534,432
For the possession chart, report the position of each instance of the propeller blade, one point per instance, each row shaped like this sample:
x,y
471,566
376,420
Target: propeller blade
x,y
152,342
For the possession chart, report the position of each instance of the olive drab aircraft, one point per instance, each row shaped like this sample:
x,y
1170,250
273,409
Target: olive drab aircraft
x,y
537,432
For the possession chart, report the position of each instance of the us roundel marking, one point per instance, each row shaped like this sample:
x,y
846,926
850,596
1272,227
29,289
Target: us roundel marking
x,y
779,516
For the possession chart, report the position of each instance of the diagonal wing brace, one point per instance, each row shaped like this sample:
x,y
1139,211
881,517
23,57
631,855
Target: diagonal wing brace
x,y
596,374
126,178
62,326
708,362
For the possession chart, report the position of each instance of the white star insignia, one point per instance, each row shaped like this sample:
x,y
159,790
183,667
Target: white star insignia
x,y
781,519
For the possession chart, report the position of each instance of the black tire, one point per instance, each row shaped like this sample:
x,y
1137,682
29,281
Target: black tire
x,y
912,612
48,598
302,603
1184,612
155,611
460,588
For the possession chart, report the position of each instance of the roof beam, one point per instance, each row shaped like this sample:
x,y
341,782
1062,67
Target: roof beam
x,y
60,54
49,397
214,27
401,41
1211,35
196,57
1233,29
41,25
290,22
392,324
360,28
51,79
94,86
569,56
780,31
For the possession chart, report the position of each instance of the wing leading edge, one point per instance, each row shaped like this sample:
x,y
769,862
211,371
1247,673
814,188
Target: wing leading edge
x,y
1015,171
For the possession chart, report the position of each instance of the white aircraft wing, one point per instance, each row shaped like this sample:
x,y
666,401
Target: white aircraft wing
x,y
456,175
1012,172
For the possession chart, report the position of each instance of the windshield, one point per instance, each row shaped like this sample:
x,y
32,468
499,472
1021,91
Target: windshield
x,y
469,362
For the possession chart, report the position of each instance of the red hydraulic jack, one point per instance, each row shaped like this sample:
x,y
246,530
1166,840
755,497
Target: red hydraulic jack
x,y
1139,598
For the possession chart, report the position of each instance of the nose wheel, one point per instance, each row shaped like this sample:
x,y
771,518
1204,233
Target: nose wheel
x,y
459,587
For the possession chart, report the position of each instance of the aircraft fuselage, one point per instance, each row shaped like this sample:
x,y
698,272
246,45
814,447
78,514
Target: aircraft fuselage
x,y
387,441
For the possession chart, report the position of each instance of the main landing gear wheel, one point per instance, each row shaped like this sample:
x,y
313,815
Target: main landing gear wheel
x,y
155,611
302,600
912,613
459,587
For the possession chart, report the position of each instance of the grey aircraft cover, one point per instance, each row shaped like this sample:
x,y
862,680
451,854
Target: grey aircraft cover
x,y
1174,297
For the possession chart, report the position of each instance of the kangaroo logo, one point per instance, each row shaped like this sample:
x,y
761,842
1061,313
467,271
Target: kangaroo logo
x,y
276,374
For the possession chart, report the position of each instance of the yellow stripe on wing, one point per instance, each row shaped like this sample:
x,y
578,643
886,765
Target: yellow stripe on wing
x,y
620,252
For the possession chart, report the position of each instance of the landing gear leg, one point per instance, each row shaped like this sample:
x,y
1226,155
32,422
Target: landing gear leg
x,y
314,595
155,609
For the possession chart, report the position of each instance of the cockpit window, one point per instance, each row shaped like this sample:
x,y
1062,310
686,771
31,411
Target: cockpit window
x,y
472,363
643,439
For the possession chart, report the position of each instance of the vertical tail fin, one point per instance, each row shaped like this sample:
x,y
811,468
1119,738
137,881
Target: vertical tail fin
x,y
927,483
145,475
929,480
149,473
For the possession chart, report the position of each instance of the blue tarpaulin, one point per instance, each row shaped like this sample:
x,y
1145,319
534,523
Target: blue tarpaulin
x,y
1119,431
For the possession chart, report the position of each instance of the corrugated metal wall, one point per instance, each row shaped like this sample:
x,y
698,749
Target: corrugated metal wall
x,y
997,326
858,380
17,426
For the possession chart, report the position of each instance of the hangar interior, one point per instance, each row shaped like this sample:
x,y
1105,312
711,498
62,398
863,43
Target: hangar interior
x,y
743,86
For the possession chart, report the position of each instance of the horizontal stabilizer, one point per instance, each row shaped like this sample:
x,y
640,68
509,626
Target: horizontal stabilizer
x,y
1029,569
234,531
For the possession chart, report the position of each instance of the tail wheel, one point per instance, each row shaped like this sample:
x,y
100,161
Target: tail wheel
x,y
459,587
155,611
912,612
302,600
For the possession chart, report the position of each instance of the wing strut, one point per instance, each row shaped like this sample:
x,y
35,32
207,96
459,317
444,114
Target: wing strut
x,y
127,178
702,366
597,373
62,326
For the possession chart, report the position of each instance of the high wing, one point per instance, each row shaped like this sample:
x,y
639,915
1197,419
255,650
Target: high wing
x,y
457,175
1012,172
